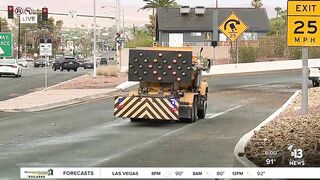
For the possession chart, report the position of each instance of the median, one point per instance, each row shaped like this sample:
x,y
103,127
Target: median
x,y
291,139
79,90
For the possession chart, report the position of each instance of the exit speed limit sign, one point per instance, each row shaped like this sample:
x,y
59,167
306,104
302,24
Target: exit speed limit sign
x,y
303,23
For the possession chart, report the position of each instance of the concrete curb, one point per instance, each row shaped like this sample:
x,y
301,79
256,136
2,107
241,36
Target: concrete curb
x,y
242,143
126,85
64,103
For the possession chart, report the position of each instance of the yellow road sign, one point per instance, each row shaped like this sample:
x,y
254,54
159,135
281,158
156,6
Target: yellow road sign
x,y
304,7
233,27
303,31
303,23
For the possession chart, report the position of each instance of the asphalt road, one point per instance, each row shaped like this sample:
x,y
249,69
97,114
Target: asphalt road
x,y
33,79
87,135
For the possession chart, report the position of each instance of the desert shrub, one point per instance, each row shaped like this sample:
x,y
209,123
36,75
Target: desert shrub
x,y
112,70
248,54
314,52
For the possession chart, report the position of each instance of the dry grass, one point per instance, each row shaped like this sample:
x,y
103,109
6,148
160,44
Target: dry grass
x,y
112,70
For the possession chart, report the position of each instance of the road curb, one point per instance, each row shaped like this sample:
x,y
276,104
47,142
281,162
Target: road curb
x,y
242,143
65,103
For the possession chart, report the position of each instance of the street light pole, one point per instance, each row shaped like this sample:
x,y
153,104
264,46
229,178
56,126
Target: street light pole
x,y
118,31
25,42
94,40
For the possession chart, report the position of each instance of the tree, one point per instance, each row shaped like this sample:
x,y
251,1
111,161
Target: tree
x,y
256,3
4,27
141,38
278,25
154,4
278,10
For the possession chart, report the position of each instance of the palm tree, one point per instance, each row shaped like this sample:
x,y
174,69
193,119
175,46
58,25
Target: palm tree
x,y
154,4
4,27
278,10
256,3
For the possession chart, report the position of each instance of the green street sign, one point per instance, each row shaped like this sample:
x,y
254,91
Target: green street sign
x,y
5,44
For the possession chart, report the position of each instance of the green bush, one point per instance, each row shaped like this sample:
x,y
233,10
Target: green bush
x,y
142,38
248,54
140,42
314,52
297,53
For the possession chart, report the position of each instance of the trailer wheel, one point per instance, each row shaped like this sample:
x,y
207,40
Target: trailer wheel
x,y
315,83
203,110
194,111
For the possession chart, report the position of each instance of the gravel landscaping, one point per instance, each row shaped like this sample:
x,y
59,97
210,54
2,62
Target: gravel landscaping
x,y
88,82
278,139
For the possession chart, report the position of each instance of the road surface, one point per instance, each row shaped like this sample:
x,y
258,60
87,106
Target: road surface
x,y
87,135
33,79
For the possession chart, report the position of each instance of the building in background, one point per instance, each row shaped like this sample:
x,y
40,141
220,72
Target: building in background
x,y
187,26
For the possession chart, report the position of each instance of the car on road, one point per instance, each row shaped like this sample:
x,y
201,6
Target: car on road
x,y
112,61
81,62
40,62
29,59
10,67
314,76
22,62
103,61
68,63
88,64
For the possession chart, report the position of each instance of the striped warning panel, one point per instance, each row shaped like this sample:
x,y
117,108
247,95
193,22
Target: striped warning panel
x,y
146,108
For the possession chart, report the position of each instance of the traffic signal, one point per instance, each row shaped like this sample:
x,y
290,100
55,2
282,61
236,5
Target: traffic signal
x,y
10,12
44,14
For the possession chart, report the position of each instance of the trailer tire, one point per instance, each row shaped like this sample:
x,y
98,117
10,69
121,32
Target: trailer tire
x,y
194,111
202,112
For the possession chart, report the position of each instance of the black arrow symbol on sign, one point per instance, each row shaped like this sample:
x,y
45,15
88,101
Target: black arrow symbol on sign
x,y
231,20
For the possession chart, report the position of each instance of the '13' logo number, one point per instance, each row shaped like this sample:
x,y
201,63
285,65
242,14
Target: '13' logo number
x,y
311,25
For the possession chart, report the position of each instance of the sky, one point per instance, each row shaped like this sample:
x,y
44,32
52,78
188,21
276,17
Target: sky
x,y
131,16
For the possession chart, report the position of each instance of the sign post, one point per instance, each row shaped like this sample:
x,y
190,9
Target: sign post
x,y
303,31
46,50
304,80
233,27
6,45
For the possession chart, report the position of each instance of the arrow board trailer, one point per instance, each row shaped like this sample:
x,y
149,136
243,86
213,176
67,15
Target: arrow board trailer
x,y
171,86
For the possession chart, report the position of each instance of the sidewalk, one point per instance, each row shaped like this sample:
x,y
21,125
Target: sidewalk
x,y
43,100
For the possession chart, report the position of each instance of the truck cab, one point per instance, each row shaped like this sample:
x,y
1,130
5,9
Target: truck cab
x,y
314,76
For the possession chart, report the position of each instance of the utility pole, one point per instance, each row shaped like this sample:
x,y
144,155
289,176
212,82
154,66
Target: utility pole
x,y
19,39
123,18
118,15
118,31
216,3
94,40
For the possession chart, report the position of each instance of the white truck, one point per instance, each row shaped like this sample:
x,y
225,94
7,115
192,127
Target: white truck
x,y
314,76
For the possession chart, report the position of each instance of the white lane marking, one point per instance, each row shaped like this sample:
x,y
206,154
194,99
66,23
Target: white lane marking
x,y
156,139
248,86
222,113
